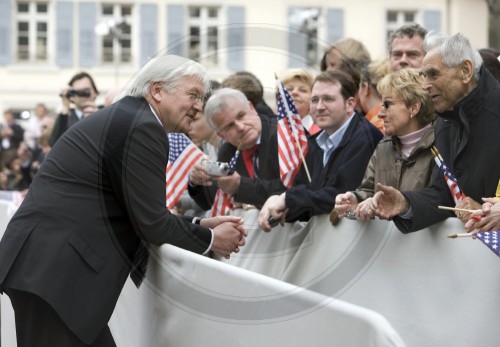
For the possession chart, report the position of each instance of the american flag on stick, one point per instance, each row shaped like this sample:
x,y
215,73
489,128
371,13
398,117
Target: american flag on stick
x,y
451,181
490,239
183,155
292,140
222,201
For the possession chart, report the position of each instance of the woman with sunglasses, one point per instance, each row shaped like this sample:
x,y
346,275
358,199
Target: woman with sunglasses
x,y
403,159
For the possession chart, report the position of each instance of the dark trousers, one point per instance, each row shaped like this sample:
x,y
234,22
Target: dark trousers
x,y
37,324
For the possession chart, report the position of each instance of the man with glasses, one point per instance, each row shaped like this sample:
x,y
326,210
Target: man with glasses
x,y
257,174
96,204
465,96
337,155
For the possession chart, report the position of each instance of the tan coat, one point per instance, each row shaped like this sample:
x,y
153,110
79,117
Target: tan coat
x,y
385,166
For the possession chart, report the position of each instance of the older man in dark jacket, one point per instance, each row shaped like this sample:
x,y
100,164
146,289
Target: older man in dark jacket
x,y
466,97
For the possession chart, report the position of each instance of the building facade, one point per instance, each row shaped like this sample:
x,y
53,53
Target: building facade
x,y
44,42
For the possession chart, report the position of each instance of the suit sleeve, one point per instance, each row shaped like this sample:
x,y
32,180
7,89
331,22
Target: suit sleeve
x,y
256,191
424,205
60,126
143,185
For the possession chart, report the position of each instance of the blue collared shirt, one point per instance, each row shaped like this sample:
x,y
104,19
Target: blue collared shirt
x,y
329,143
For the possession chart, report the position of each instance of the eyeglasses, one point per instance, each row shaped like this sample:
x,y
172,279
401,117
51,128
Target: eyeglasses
x,y
195,97
387,103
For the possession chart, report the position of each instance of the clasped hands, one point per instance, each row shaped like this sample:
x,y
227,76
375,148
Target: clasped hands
x,y
228,233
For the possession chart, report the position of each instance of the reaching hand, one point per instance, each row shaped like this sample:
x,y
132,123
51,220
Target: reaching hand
x,y
229,184
389,202
274,208
488,217
198,174
345,203
365,210
212,222
468,204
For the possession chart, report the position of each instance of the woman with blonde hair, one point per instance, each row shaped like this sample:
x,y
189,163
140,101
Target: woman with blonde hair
x,y
403,159
342,50
298,82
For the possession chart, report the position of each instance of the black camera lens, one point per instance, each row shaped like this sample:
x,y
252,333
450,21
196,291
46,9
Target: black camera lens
x,y
84,93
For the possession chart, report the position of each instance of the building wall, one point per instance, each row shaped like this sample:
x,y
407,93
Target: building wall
x,y
264,44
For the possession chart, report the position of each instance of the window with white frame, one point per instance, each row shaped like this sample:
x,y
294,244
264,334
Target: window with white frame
x,y
116,44
32,31
204,36
396,19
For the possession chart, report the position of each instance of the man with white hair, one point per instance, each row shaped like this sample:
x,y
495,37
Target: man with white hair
x,y
466,97
96,204
257,173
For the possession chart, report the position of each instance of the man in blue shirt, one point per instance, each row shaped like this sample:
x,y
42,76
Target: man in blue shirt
x,y
337,156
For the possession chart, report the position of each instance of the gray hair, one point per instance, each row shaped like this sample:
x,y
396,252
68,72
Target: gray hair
x,y
169,69
434,39
409,30
455,49
218,102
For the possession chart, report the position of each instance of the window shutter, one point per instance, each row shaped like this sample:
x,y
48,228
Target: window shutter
x,y
5,31
335,25
64,34
297,43
175,30
432,20
236,38
148,42
87,13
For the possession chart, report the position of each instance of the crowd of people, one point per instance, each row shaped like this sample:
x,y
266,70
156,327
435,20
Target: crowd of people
x,y
370,128
381,95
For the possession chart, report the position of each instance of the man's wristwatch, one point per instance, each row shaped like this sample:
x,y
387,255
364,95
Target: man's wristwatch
x,y
196,220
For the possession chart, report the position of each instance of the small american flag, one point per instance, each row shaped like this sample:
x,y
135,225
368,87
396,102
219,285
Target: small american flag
x,y
491,240
183,155
451,181
292,138
222,201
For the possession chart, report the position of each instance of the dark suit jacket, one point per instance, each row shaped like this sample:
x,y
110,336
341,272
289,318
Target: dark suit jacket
x,y
343,171
62,123
251,191
99,192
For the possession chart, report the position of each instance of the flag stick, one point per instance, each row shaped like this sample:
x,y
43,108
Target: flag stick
x,y
454,236
457,209
298,144
304,161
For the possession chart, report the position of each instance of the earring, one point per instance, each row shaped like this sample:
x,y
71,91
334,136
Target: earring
x,y
411,115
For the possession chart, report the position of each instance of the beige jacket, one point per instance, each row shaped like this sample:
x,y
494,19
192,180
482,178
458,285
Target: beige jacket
x,y
386,166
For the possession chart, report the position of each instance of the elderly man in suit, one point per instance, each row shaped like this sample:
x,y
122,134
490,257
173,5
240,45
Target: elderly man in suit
x,y
94,207
256,177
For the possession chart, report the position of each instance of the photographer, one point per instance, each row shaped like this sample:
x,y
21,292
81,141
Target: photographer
x,y
80,90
